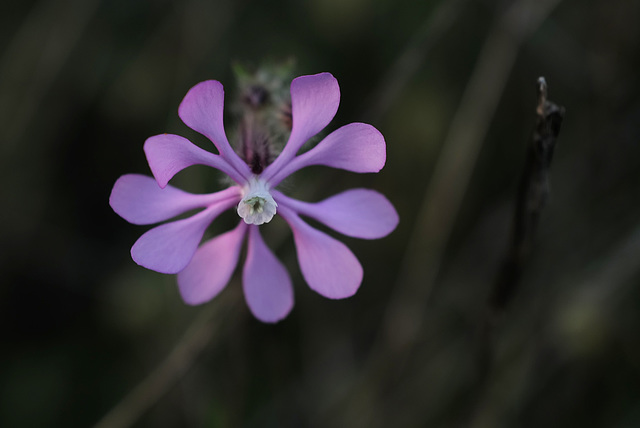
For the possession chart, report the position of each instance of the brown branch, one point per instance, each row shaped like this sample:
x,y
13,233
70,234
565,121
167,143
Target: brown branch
x,y
532,195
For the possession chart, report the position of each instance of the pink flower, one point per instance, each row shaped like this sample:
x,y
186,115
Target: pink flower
x,y
327,265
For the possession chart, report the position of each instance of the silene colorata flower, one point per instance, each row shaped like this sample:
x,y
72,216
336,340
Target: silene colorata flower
x,y
327,265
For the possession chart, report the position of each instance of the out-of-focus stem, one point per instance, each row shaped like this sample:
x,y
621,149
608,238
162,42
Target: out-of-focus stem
x,y
176,364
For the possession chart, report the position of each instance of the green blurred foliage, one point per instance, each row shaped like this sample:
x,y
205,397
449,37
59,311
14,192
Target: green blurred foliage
x,y
83,83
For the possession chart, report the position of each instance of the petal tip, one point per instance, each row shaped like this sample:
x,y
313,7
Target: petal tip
x,y
141,260
191,298
205,88
270,319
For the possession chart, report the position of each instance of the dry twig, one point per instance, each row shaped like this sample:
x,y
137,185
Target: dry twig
x,y
531,199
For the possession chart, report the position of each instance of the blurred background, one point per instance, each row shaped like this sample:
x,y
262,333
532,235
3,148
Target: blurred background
x,y
87,334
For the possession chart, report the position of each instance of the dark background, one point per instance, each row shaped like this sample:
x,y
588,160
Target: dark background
x,y
83,83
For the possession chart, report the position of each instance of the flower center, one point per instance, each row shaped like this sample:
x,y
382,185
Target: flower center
x,y
257,205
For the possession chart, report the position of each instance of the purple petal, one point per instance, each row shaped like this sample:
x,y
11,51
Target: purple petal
x,y
139,200
169,248
266,283
361,213
211,267
356,147
328,266
201,110
314,102
169,154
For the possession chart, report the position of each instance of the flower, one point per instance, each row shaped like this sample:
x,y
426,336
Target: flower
x,y
327,265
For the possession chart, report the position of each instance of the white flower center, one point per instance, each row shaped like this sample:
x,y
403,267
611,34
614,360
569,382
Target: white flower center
x,y
257,205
